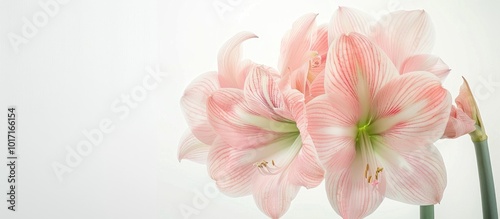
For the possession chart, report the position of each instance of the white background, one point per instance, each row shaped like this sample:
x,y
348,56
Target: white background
x,y
68,76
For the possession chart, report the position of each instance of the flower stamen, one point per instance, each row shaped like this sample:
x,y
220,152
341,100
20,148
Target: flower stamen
x,y
369,177
315,60
366,170
262,164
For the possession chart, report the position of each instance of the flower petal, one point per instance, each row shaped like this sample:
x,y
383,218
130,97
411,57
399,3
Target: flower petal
x,y
347,20
350,195
296,79
317,86
296,44
305,170
411,111
192,149
262,92
405,33
465,101
273,194
229,61
357,69
193,104
320,45
459,124
420,180
238,125
232,169
333,128
424,62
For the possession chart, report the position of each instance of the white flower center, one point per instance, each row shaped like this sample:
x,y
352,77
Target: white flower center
x,y
275,157
365,149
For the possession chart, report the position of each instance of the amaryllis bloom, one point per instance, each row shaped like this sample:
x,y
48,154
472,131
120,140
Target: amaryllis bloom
x,y
232,72
374,129
263,147
468,118
303,54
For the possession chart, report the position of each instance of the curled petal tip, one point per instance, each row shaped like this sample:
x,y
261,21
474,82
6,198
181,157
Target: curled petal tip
x,y
467,103
248,35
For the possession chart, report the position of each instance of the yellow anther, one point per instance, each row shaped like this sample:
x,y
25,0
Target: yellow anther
x,y
366,170
261,164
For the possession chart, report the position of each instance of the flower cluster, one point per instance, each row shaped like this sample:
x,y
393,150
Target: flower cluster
x,y
356,102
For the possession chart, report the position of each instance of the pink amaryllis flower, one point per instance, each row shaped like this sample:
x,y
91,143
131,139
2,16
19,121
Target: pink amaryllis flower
x,y
407,37
374,129
263,147
232,72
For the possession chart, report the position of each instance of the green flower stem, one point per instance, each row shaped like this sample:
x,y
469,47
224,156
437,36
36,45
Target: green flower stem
x,y
488,199
427,212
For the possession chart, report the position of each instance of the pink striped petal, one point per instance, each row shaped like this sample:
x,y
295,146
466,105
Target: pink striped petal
x,y
459,124
418,178
423,62
296,79
357,69
405,33
317,87
305,170
238,125
273,194
262,92
296,44
465,101
192,149
193,104
350,195
411,111
320,45
333,129
347,20
230,67
232,169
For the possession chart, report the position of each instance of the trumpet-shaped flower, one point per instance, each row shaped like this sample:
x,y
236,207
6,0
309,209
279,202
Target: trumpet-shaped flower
x,y
232,73
374,129
263,147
